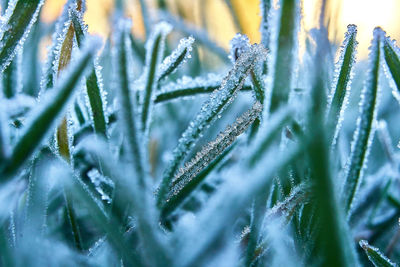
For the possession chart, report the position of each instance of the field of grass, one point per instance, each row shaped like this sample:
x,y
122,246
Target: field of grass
x,y
172,151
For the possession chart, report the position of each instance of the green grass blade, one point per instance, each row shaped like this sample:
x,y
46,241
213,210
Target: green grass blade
x,y
187,178
285,57
177,58
341,89
375,256
391,54
10,80
128,114
365,125
44,116
333,238
93,81
210,110
19,17
190,87
155,47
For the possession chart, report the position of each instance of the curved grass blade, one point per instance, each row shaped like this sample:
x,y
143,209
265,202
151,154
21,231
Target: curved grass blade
x,y
209,112
375,256
40,123
187,178
127,111
189,87
365,125
282,82
177,58
18,20
391,54
341,86
155,47
93,82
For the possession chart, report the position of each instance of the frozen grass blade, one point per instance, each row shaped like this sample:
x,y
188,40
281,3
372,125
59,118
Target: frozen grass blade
x,y
93,81
177,58
365,128
190,87
155,48
391,54
40,123
341,85
285,56
375,256
187,178
18,20
210,110
128,114
333,239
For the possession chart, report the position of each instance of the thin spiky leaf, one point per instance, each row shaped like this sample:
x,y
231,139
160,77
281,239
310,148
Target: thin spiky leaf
x,y
44,115
154,47
341,85
185,179
127,111
190,87
365,128
94,85
177,58
392,59
18,20
375,256
285,57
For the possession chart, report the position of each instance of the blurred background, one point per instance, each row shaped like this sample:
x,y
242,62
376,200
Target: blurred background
x,y
215,17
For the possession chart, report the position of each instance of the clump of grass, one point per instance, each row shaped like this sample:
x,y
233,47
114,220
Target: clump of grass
x,y
109,166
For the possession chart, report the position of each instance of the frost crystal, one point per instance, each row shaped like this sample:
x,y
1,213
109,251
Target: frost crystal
x,y
239,44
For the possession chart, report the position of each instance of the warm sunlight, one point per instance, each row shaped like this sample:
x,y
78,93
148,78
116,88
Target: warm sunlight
x,y
366,14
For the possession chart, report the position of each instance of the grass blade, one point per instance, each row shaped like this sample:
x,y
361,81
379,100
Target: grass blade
x,y
155,48
391,54
93,82
365,125
187,178
19,18
210,110
375,256
127,110
189,87
285,56
40,124
342,81
177,58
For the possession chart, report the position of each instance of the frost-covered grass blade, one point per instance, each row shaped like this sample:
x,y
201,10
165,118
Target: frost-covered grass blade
x,y
44,116
187,178
392,58
365,124
375,256
342,81
18,20
93,81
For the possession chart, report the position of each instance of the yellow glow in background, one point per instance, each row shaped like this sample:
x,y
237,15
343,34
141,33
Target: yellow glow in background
x,y
366,14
